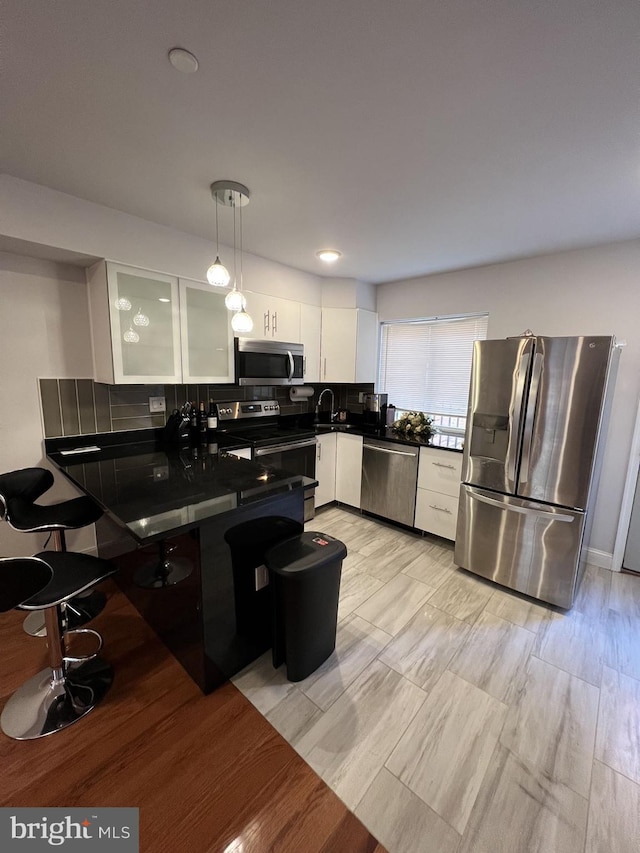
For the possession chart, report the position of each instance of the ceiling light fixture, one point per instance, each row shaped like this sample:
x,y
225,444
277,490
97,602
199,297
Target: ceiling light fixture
x,y
182,60
329,256
235,195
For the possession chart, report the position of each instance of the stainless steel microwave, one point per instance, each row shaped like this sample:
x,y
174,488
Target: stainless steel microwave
x,y
261,362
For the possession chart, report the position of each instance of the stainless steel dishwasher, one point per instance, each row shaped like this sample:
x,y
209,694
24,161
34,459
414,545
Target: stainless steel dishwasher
x,y
389,480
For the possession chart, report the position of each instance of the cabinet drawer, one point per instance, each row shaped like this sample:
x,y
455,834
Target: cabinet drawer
x,y
436,513
440,471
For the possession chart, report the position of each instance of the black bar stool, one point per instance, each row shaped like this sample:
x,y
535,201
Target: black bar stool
x,y
70,686
18,492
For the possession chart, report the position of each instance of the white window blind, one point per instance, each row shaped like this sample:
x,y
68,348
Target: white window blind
x,y
425,365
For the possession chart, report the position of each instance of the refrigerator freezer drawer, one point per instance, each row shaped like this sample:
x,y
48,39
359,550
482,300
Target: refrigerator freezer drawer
x,y
523,545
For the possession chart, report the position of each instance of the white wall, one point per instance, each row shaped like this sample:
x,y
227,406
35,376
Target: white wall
x,y
45,333
42,216
586,292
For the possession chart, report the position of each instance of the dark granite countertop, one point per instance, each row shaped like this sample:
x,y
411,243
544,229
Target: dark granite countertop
x,y
439,440
153,491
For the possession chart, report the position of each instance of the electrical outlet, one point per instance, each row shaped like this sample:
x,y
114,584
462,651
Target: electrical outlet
x,y
157,404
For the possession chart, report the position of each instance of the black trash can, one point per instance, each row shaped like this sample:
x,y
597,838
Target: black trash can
x,y
248,543
305,573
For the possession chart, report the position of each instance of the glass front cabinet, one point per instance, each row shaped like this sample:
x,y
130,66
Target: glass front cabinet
x,y
152,328
206,334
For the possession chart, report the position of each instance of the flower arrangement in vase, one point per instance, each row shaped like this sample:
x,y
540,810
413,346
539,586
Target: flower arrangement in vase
x,y
414,425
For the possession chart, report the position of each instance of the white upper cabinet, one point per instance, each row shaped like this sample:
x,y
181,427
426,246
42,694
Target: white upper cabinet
x,y
349,350
148,328
207,337
310,331
273,318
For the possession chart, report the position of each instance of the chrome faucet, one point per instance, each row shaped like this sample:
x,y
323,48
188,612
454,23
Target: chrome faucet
x,y
332,414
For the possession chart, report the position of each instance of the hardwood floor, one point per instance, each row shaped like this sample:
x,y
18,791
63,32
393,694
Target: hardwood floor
x,y
208,773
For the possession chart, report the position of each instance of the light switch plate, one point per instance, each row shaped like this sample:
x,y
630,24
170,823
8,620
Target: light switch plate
x,y
157,404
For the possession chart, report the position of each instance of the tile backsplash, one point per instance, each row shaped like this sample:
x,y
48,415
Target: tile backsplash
x,y
84,407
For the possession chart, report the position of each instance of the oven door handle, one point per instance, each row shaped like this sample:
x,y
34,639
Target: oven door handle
x,y
289,445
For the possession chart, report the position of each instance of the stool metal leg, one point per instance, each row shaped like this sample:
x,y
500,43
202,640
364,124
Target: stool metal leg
x,y
57,696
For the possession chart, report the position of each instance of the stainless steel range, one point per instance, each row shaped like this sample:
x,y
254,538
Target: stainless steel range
x,y
256,423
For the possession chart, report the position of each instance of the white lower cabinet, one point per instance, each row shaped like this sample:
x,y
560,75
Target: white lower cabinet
x,y
439,473
326,469
348,468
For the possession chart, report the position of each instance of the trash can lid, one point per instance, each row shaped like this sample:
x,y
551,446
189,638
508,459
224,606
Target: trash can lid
x,y
309,550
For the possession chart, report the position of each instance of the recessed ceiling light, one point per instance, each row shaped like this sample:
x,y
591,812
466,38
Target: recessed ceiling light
x,y
163,299
329,256
182,60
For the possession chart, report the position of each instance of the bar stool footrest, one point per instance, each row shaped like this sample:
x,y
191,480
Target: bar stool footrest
x,y
82,658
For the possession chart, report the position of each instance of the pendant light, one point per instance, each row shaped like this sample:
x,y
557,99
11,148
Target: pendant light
x,y
217,274
236,196
241,322
234,300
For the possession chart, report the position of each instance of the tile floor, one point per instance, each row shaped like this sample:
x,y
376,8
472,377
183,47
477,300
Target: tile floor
x,y
458,717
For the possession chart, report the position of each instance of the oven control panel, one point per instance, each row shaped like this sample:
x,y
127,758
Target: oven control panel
x,y
240,410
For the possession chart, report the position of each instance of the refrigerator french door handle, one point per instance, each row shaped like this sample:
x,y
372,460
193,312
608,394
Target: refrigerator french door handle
x,y
530,419
516,417
544,513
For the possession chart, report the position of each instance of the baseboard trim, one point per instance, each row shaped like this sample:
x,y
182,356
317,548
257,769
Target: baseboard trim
x,y
602,559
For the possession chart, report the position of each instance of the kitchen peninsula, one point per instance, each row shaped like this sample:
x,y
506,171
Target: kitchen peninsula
x,y
179,504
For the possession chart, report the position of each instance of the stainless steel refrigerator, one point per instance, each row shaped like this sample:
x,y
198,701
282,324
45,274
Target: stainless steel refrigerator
x,y
537,414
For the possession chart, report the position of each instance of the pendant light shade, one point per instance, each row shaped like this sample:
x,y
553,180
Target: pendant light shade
x,y
218,274
241,322
235,301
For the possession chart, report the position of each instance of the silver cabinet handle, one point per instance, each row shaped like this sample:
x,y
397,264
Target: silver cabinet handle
x,y
266,322
442,465
319,451
441,509
275,323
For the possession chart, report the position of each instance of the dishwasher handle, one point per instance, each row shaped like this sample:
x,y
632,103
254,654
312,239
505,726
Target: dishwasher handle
x,y
387,450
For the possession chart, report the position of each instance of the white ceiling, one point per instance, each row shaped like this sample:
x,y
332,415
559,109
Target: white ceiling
x,y
414,135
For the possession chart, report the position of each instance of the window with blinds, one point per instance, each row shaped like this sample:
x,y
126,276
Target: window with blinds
x,y
425,365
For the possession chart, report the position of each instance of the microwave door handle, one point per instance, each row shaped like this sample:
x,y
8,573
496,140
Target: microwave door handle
x,y
516,417
530,420
291,366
